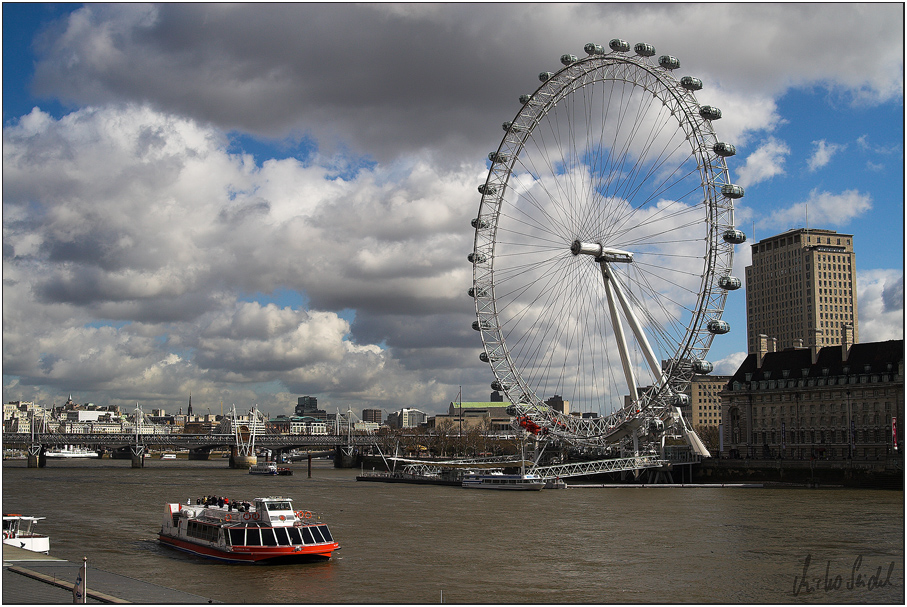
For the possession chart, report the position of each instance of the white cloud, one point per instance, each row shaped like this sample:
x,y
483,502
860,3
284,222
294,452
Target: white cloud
x,y
729,364
824,209
880,304
766,162
823,154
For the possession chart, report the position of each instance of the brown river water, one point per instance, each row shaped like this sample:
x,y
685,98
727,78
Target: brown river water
x,y
432,544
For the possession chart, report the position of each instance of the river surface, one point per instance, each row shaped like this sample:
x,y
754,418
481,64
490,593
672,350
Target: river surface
x,y
428,544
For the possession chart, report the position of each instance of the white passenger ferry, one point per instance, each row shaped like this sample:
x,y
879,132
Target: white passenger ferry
x,y
265,530
499,480
19,531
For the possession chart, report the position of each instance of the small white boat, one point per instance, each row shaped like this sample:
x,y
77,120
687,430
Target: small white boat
x,y
168,455
19,531
269,468
68,451
509,482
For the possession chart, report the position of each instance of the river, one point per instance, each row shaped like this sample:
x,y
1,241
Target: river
x,y
425,544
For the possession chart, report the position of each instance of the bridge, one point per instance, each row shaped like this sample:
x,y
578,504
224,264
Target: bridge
x,y
199,445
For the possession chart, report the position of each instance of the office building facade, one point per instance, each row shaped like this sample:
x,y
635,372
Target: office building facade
x,y
801,290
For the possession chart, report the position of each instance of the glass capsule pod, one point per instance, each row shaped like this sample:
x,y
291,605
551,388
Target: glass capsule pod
x,y
729,283
510,410
487,189
569,59
710,113
734,237
483,356
680,400
524,99
498,386
479,223
718,327
594,49
478,326
724,149
690,83
546,76
498,157
477,292
668,62
621,46
644,50
702,367
732,191
476,258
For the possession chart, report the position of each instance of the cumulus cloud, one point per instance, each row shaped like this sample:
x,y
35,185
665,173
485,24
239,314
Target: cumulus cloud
x,y
729,364
823,153
824,208
766,162
880,304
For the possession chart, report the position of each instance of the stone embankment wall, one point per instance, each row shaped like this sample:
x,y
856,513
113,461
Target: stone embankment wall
x,y
881,474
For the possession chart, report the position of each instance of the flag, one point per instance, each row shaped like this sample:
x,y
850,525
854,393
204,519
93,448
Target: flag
x,y
78,590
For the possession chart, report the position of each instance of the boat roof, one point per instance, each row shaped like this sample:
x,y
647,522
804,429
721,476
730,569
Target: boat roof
x,y
19,517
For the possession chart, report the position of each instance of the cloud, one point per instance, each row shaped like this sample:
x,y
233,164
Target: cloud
x,y
824,208
823,154
880,305
729,364
766,162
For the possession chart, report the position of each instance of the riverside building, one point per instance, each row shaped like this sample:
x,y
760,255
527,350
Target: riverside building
x,y
802,289
837,402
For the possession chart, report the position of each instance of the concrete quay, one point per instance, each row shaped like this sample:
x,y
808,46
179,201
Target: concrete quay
x,y
35,578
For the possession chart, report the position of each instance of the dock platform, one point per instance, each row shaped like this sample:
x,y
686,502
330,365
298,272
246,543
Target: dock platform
x,y
35,578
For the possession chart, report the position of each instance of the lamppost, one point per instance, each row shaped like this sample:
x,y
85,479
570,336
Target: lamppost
x,y
849,426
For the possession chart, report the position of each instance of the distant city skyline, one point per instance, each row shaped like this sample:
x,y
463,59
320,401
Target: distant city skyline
x,y
254,203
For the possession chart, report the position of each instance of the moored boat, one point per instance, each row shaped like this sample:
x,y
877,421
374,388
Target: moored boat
x,y
68,451
265,530
19,531
270,468
168,455
499,480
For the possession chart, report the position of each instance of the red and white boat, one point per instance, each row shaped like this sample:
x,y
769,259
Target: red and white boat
x,y
265,530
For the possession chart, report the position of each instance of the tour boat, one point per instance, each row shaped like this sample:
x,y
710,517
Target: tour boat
x,y
499,480
265,530
269,468
168,455
68,452
19,531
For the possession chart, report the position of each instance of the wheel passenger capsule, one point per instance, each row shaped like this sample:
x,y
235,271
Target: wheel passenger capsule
x,y
734,237
480,325
546,76
498,157
732,191
477,292
703,367
476,258
594,49
680,400
499,386
644,50
718,327
479,223
620,46
724,149
710,113
487,189
668,62
524,99
729,283
690,83
569,59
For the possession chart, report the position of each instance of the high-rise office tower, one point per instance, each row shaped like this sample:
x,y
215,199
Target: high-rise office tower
x,y
802,290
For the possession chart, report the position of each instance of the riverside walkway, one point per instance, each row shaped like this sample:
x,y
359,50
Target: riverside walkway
x,y
32,577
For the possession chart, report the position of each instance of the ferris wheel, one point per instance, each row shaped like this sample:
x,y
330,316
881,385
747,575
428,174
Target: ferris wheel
x,y
604,245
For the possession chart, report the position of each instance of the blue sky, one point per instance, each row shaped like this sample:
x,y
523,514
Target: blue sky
x,y
256,203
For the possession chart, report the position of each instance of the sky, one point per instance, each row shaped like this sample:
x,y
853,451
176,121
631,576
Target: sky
x,y
254,203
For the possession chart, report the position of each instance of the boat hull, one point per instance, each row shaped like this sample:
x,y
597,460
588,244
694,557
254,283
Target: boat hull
x,y
34,543
250,554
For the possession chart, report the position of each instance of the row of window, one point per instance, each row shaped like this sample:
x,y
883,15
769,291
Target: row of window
x,y
279,536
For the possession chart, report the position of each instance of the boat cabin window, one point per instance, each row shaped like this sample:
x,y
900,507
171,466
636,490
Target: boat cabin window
x,y
282,538
238,537
267,537
274,506
326,533
295,535
317,535
307,535
253,537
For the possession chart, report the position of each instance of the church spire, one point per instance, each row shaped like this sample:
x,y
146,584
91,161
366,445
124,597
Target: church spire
x,y
190,405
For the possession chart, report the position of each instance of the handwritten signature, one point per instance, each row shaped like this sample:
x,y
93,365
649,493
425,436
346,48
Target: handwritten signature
x,y
807,583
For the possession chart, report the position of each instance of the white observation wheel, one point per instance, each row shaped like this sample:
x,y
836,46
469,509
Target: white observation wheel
x,y
604,243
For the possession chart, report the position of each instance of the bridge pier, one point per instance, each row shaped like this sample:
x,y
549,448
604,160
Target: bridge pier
x,y
36,456
200,454
138,456
346,457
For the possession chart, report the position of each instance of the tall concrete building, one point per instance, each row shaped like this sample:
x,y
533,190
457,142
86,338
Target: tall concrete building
x,y
802,290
